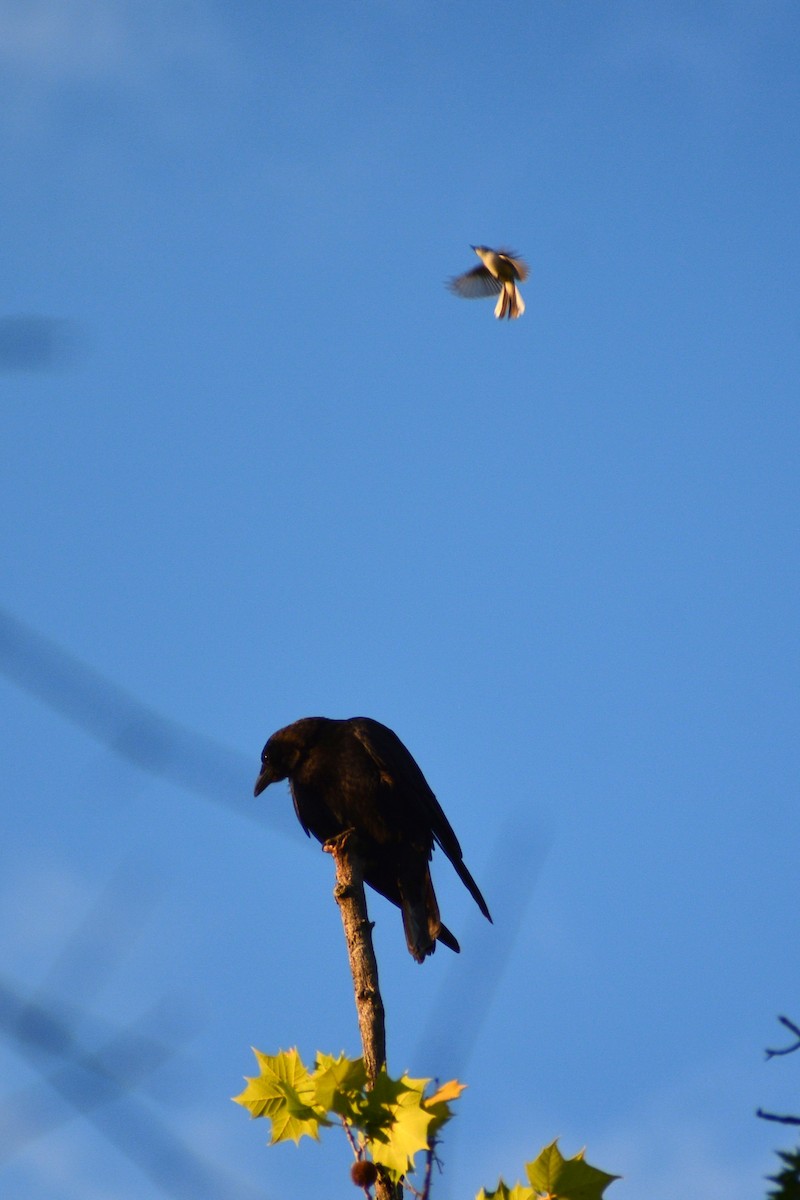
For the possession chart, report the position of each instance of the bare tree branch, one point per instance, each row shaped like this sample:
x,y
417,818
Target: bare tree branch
x,y
349,895
130,729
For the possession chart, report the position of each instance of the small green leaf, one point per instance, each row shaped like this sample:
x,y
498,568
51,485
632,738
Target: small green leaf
x,y
561,1178
518,1192
788,1179
285,1093
438,1105
448,1091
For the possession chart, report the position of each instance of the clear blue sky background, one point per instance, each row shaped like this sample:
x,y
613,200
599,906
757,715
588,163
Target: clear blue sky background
x,y
260,464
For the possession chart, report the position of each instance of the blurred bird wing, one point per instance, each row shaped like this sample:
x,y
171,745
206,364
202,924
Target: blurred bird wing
x,y
475,284
400,770
520,266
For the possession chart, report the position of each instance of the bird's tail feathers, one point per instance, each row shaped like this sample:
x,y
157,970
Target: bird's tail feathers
x,y
421,920
509,303
448,939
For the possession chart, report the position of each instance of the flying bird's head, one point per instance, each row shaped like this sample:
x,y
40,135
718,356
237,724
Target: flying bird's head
x,y
484,253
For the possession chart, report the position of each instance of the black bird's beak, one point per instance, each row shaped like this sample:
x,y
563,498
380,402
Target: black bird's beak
x,y
264,780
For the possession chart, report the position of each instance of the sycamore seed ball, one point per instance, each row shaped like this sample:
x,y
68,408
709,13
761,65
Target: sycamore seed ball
x,y
364,1173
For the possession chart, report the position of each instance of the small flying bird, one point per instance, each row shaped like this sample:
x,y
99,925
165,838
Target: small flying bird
x,y
357,774
499,272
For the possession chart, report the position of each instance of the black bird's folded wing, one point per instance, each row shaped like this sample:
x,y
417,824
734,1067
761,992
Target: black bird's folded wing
x,y
401,771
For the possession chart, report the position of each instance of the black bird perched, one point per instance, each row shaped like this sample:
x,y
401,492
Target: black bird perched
x,y
357,774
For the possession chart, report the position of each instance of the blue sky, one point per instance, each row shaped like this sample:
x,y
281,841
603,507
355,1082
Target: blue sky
x,y
260,464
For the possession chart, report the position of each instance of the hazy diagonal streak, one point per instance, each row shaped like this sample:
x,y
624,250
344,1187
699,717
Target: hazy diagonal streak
x,y
44,1028
107,931
130,729
470,982
33,342
464,1000
92,1085
85,1079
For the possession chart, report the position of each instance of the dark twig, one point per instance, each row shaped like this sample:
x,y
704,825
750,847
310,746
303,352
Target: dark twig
x,y
349,895
429,1157
787,1049
768,1116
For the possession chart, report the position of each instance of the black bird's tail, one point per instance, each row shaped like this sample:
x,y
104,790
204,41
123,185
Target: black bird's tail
x,y
447,939
421,921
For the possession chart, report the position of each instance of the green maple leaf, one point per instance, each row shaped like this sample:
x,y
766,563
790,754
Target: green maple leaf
x,y
388,1091
377,1110
392,1119
560,1178
518,1192
407,1132
339,1084
285,1093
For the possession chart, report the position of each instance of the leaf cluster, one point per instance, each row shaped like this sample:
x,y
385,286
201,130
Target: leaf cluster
x,y
788,1179
389,1123
553,1177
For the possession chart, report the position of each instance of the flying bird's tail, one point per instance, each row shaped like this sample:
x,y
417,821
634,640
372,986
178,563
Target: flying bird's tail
x,y
509,303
